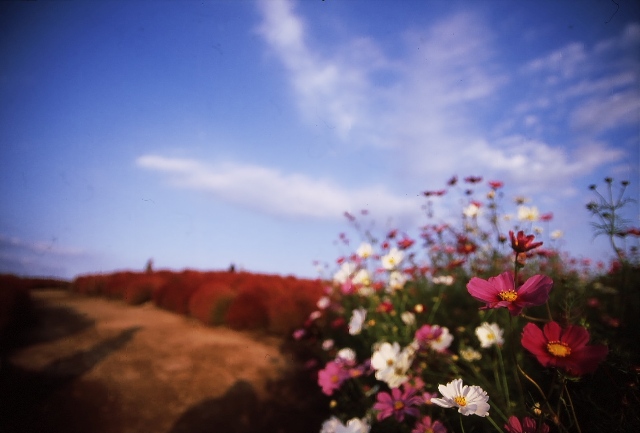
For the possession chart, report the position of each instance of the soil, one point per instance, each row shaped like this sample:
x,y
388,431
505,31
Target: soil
x,y
96,365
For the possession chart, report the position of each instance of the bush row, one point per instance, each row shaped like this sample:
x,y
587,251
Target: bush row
x,y
240,300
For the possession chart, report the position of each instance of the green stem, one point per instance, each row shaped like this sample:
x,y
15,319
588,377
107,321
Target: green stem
x,y
494,424
461,426
504,378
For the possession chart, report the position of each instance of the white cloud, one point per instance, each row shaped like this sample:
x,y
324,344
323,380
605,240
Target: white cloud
x,y
327,89
269,191
430,114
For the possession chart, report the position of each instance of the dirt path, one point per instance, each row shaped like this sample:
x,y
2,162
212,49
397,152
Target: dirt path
x,y
95,365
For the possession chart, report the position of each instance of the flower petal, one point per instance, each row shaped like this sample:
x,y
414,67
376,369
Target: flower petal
x,y
576,337
552,331
482,290
535,290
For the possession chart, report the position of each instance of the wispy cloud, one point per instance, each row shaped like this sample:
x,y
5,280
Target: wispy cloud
x,y
269,191
428,111
18,256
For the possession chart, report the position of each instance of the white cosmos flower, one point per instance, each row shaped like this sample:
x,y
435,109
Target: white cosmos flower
x,y
396,280
323,303
526,213
344,273
327,344
470,400
357,320
408,318
556,234
443,342
347,355
470,355
471,211
489,334
365,250
362,277
393,259
354,425
445,280
392,364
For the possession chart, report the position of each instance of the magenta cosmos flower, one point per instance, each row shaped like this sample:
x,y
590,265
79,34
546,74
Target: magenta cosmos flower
x,y
563,348
500,292
426,425
331,377
528,425
398,403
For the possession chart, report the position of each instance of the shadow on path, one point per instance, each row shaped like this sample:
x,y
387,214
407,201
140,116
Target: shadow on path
x,y
288,409
23,393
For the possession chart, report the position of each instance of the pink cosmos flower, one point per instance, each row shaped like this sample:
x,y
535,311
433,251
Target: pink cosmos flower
x,y
425,425
500,291
397,403
528,425
563,348
331,377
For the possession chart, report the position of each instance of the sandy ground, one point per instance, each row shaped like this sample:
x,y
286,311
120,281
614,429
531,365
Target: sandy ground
x,y
97,365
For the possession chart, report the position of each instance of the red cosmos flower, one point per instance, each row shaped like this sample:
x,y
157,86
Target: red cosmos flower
x,y
522,243
499,292
546,216
473,179
465,246
635,231
438,193
405,243
452,181
528,425
495,184
563,348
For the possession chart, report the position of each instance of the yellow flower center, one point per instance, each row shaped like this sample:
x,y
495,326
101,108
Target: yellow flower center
x,y
509,295
335,379
559,349
389,362
460,401
398,405
490,336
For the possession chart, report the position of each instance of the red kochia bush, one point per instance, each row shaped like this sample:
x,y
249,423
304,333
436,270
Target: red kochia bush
x,y
175,293
210,302
141,287
248,310
89,284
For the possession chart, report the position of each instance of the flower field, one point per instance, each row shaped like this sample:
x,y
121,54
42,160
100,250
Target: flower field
x,y
479,325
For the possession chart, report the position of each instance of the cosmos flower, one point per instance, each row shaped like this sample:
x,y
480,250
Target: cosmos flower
x,y
489,334
331,377
526,213
354,425
521,243
528,425
397,403
358,317
470,355
362,278
365,250
392,364
344,273
397,280
393,259
426,425
563,348
499,292
470,400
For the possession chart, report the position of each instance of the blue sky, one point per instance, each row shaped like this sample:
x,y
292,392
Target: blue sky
x,y
206,133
